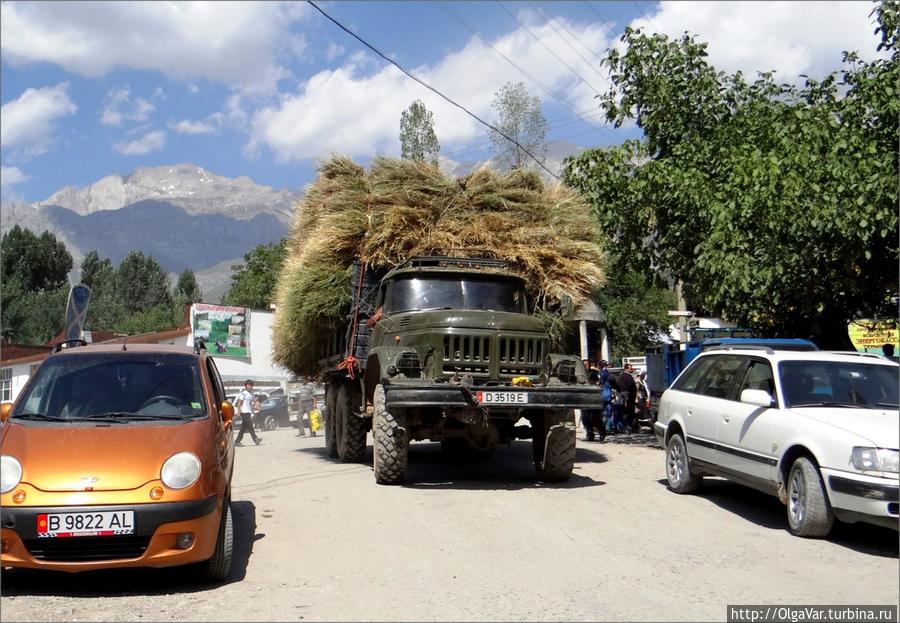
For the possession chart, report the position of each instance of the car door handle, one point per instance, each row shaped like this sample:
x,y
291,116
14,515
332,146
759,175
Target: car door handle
x,y
690,412
726,418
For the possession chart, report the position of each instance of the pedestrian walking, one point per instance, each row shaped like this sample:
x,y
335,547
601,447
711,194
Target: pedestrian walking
x,y
643,396
245,403
628,389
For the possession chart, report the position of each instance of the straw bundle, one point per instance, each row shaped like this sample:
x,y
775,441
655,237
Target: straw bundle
x,y
400,209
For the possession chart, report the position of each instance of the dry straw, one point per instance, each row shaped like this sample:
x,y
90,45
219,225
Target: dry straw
x,y
400,209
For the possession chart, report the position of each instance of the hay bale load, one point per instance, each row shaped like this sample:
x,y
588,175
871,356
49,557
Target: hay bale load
x,y
399,209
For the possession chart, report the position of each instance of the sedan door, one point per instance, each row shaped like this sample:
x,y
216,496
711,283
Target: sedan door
x,y
711,401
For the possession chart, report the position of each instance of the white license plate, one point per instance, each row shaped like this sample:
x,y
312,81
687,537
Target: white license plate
x,y
503,398
105,523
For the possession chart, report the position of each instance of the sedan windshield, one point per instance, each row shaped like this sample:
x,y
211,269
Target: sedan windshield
x,y
839,384
117,387
449,292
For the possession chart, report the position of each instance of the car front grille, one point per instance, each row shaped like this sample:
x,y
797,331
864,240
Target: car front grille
x,y
88,549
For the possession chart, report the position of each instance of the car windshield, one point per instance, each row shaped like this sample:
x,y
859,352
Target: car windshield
x,y
840,384
451,292
123,386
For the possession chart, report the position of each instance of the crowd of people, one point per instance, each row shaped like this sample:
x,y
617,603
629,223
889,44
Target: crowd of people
x,y
626,401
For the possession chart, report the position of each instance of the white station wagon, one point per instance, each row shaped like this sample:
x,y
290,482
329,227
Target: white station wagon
x,y
819,430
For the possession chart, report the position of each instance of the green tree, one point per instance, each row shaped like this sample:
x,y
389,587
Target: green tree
x,y
38,262
187,289
142,283
775,205
253,282
417,138
519,116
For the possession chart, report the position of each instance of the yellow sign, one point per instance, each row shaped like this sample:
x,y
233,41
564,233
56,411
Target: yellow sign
x,y
868,336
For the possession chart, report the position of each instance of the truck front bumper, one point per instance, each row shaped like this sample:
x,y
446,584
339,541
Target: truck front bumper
x,y
406,396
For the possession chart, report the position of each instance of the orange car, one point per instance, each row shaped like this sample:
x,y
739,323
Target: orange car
x,y
118,456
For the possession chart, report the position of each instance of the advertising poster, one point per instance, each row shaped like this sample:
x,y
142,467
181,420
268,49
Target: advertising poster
x,y
226,330
868,336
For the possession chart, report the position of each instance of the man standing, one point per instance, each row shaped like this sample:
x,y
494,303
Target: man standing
x,y
629,388
244,405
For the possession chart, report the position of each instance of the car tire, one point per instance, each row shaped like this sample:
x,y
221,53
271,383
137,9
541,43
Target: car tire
x,y
808,511
553,446
352,429
678,466
219,565
330,420
270,422
391,447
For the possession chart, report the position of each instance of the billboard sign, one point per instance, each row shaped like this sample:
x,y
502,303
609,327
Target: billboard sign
x,y
226,330
868,336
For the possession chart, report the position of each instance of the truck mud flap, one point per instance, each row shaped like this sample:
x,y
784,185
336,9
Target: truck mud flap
x,y
459,397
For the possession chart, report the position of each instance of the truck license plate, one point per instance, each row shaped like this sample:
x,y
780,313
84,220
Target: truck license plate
x,y
503,398
106,523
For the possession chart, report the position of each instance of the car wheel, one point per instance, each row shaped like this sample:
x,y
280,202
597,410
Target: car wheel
x,y
219,565
678,467
270,422
809,513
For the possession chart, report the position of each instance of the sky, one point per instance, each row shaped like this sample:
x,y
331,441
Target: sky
x,y
265,89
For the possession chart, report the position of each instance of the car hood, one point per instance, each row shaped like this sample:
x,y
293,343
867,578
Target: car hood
x,y
107,458
879,427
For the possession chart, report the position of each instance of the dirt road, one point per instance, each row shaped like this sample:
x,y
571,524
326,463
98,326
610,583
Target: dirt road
x,y
318,540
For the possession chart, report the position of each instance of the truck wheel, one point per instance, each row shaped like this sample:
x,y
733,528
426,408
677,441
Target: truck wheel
x,y
808,511
330,420
554,446
352,430
391,452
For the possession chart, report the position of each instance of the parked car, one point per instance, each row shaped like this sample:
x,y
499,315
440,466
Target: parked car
x,y
273,413
819,430
117,456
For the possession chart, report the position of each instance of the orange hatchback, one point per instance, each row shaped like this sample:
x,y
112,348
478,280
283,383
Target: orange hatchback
x,y
118,456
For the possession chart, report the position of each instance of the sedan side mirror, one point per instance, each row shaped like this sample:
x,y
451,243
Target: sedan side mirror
x,y
227,411
758,397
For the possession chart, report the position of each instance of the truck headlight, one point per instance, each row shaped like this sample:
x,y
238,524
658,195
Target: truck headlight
x,y
875,459
180,470
10,472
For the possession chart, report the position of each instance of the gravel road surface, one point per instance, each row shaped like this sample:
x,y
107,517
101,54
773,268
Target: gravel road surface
x,y
317,540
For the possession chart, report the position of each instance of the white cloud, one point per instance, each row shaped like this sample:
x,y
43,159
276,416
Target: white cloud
x,y
10,176
333,51
28,123
791,38
119,107
151,141
186,126
345,110
245,45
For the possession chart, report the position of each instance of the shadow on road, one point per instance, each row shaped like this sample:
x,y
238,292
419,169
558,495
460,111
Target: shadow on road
x,y
768,512
135,581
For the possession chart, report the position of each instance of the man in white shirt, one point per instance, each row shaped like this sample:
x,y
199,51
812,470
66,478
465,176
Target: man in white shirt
x,y
244,405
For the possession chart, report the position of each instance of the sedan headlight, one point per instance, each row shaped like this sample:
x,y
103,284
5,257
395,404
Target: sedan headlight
x,y
180,470
10,472
875,459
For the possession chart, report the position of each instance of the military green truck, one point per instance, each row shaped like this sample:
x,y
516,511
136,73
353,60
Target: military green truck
x,y
445,349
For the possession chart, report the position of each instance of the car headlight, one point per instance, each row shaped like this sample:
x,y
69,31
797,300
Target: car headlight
x,y
180,470
10,472
875,459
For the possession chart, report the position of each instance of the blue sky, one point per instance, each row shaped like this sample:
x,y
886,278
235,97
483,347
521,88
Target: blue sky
x,y
264,89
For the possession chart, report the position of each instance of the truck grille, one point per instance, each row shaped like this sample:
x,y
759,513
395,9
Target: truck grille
x,y
512,356
467,354
88,549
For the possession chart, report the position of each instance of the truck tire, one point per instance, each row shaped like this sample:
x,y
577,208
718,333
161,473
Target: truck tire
x,y
330,420
391,453
554,446
352,429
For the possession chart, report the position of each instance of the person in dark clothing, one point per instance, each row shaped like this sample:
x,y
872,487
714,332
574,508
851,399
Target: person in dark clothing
x,y
629,388
593,418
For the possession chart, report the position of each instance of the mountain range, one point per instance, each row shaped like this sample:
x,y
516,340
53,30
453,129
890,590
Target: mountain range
x,y
183,215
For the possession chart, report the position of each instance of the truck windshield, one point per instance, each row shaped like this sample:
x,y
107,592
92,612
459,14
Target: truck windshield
x,y
450,292
121,386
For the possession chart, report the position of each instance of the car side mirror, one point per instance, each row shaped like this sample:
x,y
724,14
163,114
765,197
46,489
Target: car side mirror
x,y
227,411
758,397
5,410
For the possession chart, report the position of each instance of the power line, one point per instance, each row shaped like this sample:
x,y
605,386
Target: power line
x,y
571,34
645,16
591,7
549,92
553,23
432,89
546,47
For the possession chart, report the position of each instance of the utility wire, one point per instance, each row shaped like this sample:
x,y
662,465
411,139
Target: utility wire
x,y
571,34
593,10
553,24
546,47
432,89
548,91
645,16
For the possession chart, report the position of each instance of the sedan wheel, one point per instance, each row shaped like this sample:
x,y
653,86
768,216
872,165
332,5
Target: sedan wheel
x,y
809,513
678,467
270,423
